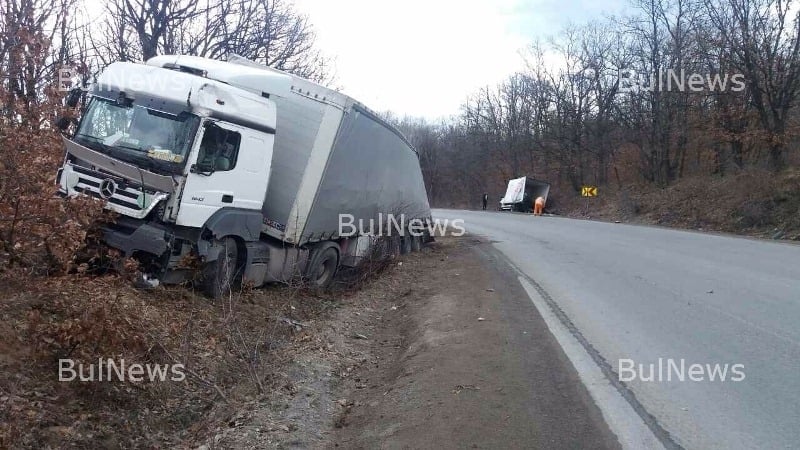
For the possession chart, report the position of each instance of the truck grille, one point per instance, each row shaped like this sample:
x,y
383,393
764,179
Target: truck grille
x,y
98,184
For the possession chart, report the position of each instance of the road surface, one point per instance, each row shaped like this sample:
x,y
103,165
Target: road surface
x,y
642,294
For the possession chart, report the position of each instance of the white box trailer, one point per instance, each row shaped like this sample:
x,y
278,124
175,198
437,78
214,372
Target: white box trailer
x,y
521,192
334,156
201,155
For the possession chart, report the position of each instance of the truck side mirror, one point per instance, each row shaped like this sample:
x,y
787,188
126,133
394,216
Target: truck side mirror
x,y
74,97
63,123
210,125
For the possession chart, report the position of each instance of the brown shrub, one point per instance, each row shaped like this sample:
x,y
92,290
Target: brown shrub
x,y
229,350
39,231
94,323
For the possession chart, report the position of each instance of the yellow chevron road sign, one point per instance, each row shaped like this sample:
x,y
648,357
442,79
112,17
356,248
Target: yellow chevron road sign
x,y
589,191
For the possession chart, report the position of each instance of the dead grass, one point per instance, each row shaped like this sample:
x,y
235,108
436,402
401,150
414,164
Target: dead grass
x,y
231,349
753,202
234,352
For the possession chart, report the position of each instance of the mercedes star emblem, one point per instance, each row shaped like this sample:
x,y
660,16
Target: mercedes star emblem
x,y
107,188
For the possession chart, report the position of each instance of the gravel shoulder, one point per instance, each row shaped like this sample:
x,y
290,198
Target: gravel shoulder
x,y
463,359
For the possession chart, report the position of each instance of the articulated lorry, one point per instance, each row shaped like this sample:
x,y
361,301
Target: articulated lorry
x,y
246,169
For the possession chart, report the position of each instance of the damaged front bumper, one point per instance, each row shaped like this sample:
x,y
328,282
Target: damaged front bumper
x,y
131,235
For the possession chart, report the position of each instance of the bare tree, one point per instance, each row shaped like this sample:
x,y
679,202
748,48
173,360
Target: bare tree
x,y
763,40
27,27
268,31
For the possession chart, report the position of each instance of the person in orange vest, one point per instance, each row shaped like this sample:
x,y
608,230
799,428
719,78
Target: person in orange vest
x,y
538,206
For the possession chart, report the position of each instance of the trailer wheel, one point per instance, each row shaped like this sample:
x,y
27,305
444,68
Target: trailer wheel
x,y
219,275
323,266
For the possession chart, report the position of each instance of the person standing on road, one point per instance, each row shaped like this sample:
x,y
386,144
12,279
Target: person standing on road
x,y
485,200
538,206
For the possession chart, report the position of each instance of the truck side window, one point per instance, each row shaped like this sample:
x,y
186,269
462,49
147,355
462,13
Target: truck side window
x,y
219,149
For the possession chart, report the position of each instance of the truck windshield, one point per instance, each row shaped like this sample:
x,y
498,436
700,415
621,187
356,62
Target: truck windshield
x,y
153,139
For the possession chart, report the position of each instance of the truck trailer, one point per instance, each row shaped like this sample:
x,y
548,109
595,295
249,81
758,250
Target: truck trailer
x,y
521,192
244,168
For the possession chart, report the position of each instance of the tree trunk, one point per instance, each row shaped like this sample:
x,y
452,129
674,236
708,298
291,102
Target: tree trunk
x,y
776,161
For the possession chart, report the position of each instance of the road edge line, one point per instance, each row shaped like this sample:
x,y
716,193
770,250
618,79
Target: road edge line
x,y
629,428
558,320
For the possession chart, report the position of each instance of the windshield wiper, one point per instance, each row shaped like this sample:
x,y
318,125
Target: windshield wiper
x,y
126,153
149,163
141,157
130,147
92,142
84,135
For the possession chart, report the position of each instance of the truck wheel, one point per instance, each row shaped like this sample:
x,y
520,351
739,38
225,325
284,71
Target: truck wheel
x,y
219,275
323,266
416,243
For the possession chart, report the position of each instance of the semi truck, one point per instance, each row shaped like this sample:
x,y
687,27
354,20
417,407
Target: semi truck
x,y
521,192
238,172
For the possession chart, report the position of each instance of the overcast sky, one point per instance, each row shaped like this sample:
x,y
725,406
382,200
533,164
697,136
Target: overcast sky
x,y
424,57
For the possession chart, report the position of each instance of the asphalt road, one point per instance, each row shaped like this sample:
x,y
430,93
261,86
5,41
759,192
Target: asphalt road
x,y
644,293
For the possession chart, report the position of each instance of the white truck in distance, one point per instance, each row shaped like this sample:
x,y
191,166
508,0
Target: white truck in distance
x,y
521,192
245,167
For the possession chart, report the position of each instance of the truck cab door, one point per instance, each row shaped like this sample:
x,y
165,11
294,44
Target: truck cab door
x,y
229,168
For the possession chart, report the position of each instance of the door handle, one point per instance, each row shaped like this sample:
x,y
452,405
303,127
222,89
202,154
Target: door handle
x,y
227,198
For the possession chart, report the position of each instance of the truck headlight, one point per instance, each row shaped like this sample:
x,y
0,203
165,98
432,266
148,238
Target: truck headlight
x,y
72,180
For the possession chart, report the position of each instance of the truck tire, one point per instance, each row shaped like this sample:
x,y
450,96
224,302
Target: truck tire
x,y
219,275
323,266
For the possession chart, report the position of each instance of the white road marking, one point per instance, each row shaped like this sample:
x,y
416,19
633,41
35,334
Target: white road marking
x,y
625,423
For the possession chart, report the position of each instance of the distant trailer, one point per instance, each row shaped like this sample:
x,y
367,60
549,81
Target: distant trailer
x,y
521,193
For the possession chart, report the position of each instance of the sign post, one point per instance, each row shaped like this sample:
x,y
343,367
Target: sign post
x,y
586,192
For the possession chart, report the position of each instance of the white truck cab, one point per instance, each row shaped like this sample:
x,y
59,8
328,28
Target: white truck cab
x,y
176,132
